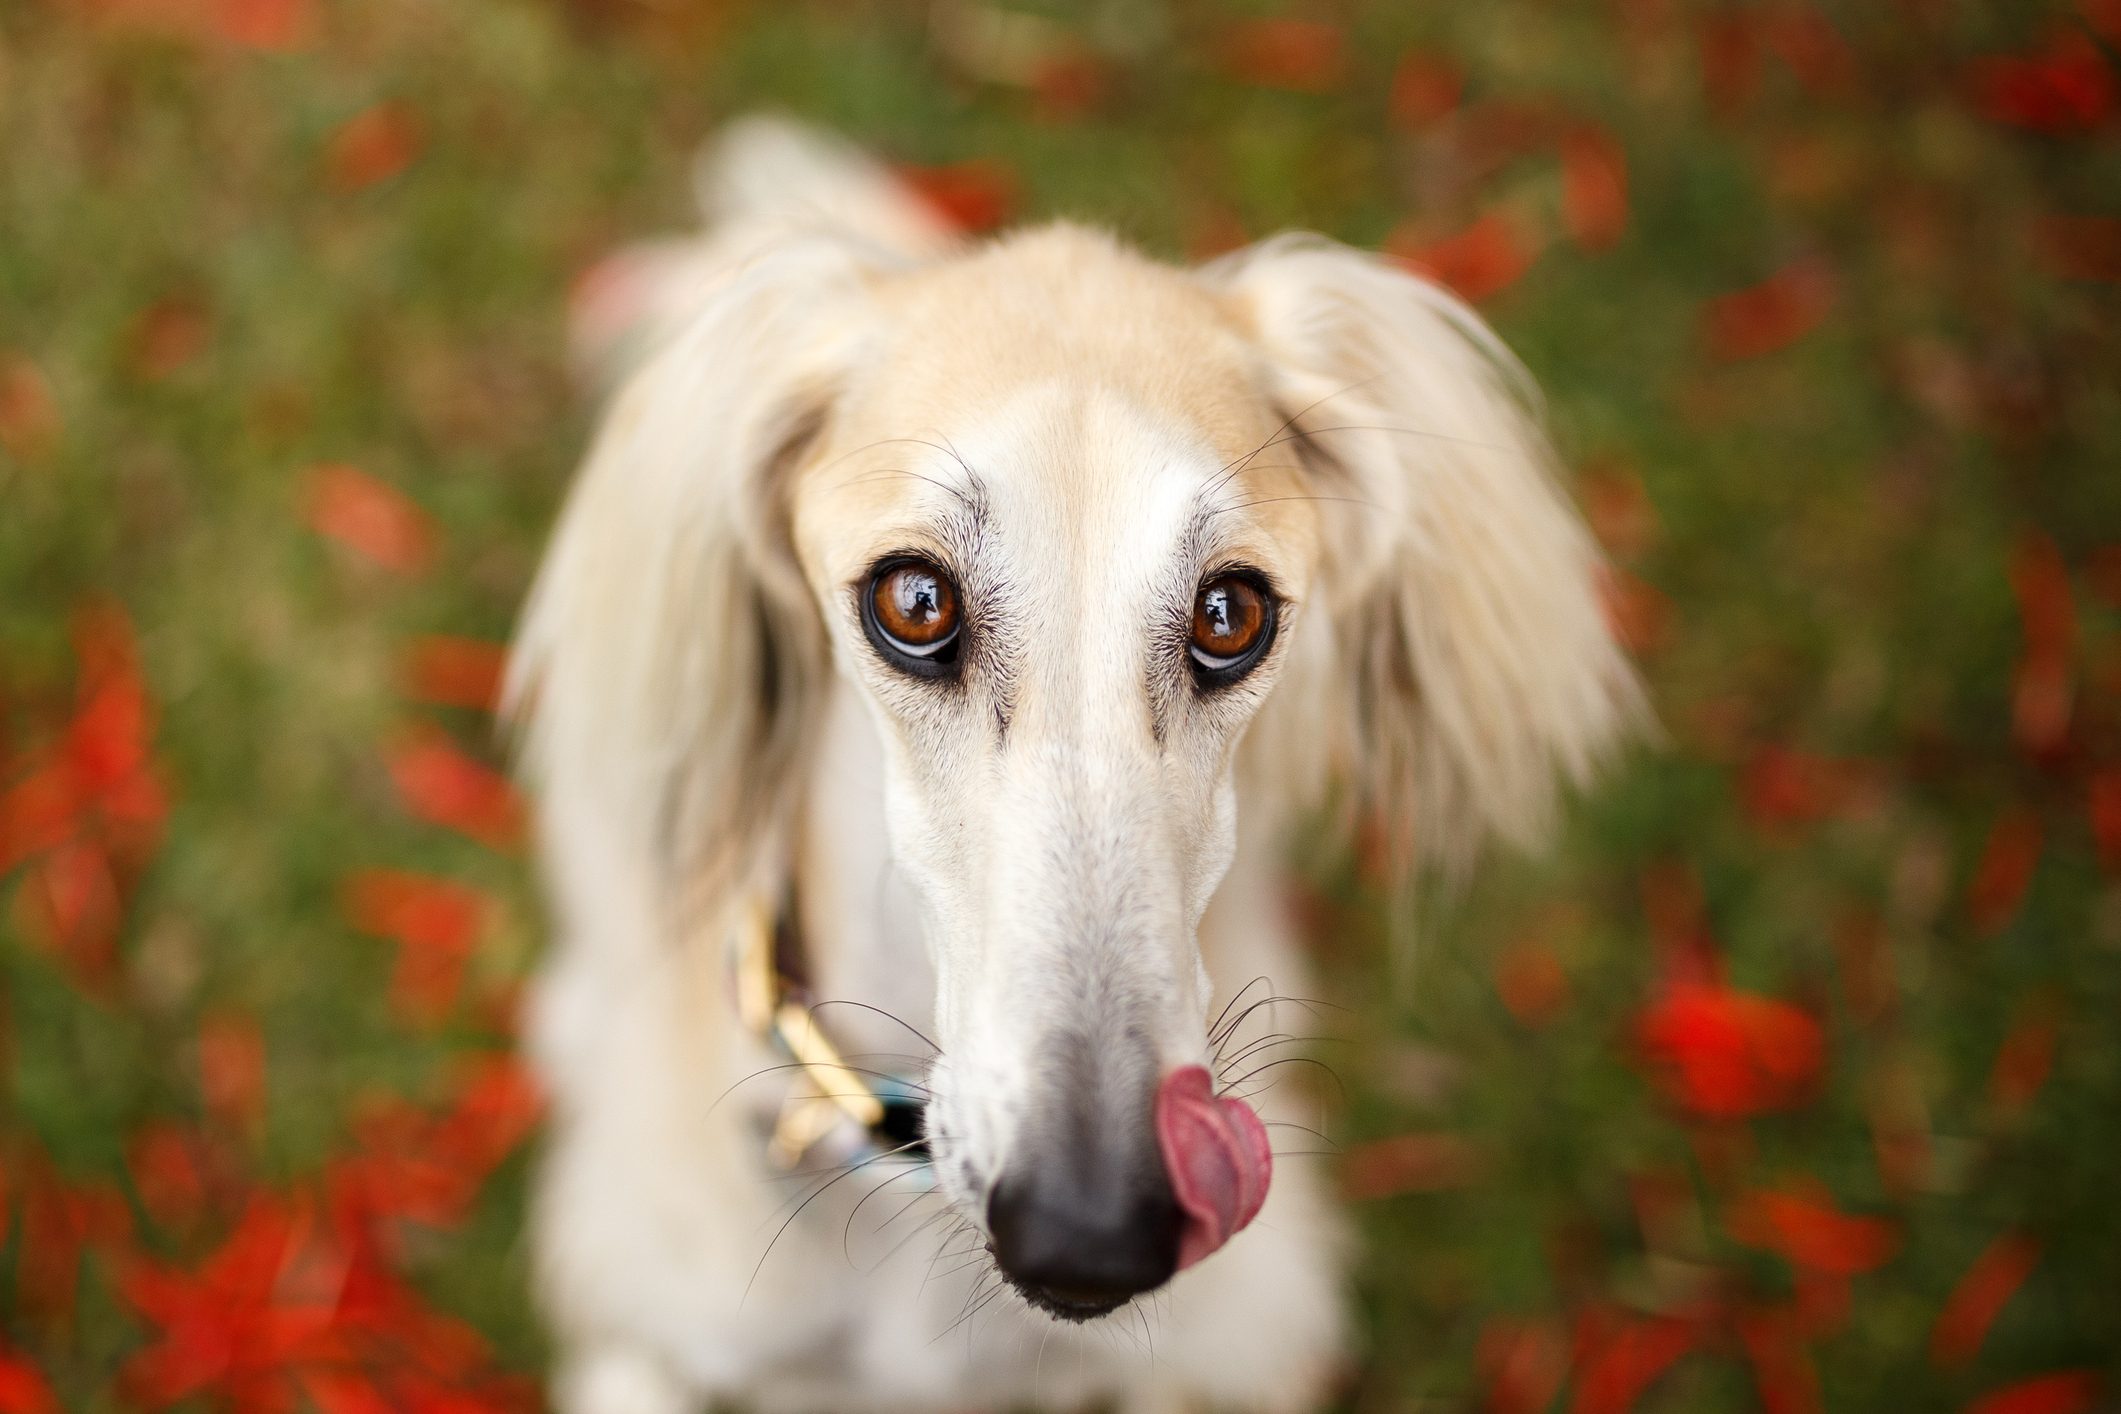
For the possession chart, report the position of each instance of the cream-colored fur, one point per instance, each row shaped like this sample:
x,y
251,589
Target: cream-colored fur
x,y
824,377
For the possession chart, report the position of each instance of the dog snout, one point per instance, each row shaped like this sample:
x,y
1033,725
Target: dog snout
x,y
1083,1216
1079,1245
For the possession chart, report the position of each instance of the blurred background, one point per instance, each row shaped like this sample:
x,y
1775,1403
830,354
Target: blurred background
x,y
1790,1081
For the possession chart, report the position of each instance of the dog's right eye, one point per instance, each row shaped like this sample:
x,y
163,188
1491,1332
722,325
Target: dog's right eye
x,y
1233,625
910,612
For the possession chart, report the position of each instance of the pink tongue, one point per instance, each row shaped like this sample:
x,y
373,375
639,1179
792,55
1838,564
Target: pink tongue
x,y
1216,1153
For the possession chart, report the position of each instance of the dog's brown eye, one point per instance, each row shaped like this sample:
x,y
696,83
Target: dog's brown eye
x,y
1233,621
913,609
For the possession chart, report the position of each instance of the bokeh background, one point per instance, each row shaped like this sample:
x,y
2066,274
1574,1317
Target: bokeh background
x,y
1790,1081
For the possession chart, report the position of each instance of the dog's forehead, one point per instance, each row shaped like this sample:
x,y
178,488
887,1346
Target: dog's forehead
x,y
1059,305
1083,397
1085,481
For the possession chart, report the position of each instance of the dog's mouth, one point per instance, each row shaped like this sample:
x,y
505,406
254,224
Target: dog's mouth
x,y
1063,1304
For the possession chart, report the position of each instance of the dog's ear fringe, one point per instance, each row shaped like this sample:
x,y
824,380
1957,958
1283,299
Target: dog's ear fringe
x,y
664,672
1462,670
761,181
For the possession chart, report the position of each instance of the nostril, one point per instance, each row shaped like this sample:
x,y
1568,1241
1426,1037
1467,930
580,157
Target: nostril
x,y
1077,1253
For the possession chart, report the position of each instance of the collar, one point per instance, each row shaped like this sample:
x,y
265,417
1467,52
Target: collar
x,y
843,1114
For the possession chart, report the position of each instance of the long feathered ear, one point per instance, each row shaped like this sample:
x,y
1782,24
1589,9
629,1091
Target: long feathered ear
x,y
761,180
668,663
1464,670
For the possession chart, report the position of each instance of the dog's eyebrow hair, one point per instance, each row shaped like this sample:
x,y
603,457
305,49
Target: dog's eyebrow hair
x,y
1233,468
974,499
973,494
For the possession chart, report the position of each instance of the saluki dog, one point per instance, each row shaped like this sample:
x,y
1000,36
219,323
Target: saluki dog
x,y
932,662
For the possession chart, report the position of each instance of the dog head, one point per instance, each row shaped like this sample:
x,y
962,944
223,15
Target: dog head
x,y
1110,552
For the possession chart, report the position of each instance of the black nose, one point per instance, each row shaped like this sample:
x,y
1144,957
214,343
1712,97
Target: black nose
x,y
1080,1244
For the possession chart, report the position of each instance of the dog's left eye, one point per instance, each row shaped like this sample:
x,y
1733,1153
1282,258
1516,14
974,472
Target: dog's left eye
x,y
910,613
1233,624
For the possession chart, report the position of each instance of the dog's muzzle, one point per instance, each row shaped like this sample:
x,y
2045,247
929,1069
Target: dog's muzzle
x,y
1087,1220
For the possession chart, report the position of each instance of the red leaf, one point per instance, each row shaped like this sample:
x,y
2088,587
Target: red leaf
x,y
1594,187
1521,1364
69,905
1677,914
1636,611
107,740
1782,787
335,1392
1623,1360
132,813
429,1167
1807,1230
61,1222
435,922
232,1070
23,1389
1807,41
496,1108
972,196
2005,870
1730,60
2064,90
372,146
1531,982
163,1159
1774,1346
1425,88
1619,510
1069,83
418,911
1980,1297
229,1326
1821,1306
397,1172
1492,134
441,785
2079,247
455,672
2063,1392
29,416
166,336
1408,1163
370,518
2040,699
2026,1056
1771,315
272,26
285,1305
1482,260
1307,56
1725,1053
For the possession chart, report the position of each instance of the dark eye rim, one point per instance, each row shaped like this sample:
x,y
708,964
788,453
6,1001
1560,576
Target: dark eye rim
x,y
1212,673
936,660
